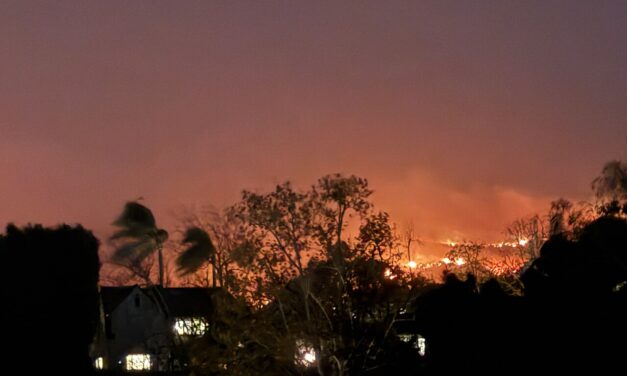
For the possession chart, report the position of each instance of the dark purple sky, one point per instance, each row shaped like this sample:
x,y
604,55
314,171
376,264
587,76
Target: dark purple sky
x,y
464,115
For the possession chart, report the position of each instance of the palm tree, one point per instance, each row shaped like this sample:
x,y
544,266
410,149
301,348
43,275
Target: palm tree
x,y
140,236
612,183
200,251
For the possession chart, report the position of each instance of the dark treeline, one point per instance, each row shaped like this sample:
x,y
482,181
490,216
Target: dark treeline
x,y
49,294
570,316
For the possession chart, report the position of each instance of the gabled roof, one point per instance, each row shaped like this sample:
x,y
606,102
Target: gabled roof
x,y
175,302
112,296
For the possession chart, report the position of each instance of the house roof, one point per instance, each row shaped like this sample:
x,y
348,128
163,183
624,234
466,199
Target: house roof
x,y
185,301
176,302
405,326
112,296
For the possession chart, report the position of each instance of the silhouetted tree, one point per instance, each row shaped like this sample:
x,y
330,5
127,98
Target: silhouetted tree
x,y
612,183
595,262
139,236
610,188
315,289
201,251
469,258
286,229
49,294
283,222
529,234
336,198
571,316
233,249
576,285
378,240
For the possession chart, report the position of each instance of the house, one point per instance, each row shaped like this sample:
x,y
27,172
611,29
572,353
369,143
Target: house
x,y
147,328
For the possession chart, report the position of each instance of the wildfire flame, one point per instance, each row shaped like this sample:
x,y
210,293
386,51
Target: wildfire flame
x,y
459,261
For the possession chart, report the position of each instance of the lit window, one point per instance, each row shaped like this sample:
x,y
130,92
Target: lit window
x,y
305,355
620,286
190,326
421,343
417,342
99,363
137,362
405,337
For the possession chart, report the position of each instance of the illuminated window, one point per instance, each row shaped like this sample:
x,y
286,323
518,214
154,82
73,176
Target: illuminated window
x,y
305,355
417,342
421,344
137,362
190,326
405,337
99,363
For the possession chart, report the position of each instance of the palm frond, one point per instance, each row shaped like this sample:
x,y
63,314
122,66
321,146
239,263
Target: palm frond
x,y
191,260
200,251
134,251
136,215
138,236
130,232
196,235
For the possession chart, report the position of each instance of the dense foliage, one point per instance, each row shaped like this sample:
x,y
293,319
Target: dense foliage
x,y
49,293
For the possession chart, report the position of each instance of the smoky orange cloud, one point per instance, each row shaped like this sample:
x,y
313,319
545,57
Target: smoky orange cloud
x,y
441,212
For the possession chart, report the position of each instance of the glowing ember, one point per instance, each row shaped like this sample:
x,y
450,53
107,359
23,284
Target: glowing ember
x,y
460,261
523,242
446,260
412,264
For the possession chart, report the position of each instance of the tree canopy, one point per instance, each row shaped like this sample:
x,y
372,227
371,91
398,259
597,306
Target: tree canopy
x,y
49,293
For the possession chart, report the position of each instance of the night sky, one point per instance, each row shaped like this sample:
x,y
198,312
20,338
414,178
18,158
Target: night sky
x,y
463,115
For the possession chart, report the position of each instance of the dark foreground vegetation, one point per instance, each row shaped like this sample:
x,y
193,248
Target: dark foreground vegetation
x,y
301,298
569,316
49,294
